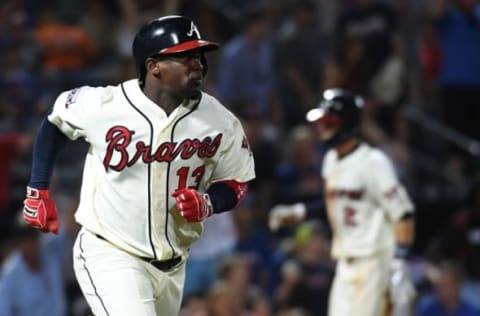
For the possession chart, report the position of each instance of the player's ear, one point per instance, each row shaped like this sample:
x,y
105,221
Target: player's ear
x,y
152,66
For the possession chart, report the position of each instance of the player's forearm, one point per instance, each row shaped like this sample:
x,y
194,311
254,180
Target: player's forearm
x,y
404,236
405,231
315,209
48,142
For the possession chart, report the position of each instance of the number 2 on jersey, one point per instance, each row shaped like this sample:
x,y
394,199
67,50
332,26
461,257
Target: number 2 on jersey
x,y
349,216
183,174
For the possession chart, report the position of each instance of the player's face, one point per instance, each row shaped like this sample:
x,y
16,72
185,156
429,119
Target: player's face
x,y
182,73
327,127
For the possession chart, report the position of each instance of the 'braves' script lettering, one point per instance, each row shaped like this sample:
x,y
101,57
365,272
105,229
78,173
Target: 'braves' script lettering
x,y
345,193
118,139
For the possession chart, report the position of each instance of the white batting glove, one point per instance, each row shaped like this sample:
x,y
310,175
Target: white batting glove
x,y
402,290
282,215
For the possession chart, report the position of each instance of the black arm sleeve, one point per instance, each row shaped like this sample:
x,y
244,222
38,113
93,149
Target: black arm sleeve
x,y
315,209
222,196
48,142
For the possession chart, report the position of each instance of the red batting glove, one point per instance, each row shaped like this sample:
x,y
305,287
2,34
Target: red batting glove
x,y
192,205
39,211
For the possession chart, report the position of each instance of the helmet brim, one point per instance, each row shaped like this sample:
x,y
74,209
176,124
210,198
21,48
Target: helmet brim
x,y
315,114
320,115
186,46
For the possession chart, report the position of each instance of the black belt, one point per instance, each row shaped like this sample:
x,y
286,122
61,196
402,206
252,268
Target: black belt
x,y
350,260
162,265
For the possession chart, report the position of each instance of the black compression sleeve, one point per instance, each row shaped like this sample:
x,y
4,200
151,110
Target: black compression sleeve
x,y
315,209
48,142
222,196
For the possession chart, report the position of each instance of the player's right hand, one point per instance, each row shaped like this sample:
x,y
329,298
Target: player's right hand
x,y
282,215
39,211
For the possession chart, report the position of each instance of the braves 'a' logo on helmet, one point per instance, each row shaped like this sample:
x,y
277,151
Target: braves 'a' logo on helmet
x,y
193,29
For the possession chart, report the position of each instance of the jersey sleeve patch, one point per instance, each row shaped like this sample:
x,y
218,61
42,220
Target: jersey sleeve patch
x,y
71,97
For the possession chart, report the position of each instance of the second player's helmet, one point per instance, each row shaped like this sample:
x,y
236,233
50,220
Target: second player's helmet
x,y
167,35
339,107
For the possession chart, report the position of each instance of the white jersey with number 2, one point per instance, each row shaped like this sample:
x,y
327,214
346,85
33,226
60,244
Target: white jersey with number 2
x,y
364,199
139,156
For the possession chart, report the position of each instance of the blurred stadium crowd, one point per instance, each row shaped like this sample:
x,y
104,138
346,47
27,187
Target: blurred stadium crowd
x,y
416,62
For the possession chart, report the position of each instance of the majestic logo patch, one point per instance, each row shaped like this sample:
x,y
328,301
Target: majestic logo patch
x,y
193,29
120,137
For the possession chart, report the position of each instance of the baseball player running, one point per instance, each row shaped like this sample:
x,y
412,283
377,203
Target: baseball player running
x,y
368,209
163,157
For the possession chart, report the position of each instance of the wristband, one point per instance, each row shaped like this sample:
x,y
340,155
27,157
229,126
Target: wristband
x,y
403,251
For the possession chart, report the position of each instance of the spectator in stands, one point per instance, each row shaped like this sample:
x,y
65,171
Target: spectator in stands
x,y
234,281
32,276
458,26
217,241
460,239
374,23
298,177
429,55
446,299
66,49
255,243
221,301
246,71
65,43
11,145
345,68
194,305
265,148
307,277
300,52
371,27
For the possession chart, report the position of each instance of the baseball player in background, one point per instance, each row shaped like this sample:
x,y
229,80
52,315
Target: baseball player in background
x,y
369,211
163,156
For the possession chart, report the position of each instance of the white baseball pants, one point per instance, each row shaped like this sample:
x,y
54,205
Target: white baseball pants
x,y
360,287
116,283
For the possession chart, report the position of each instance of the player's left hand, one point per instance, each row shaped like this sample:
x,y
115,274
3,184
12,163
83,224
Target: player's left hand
x,y
402,290
193,205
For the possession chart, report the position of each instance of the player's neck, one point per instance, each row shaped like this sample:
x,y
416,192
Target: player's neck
x,y
163,99
347,147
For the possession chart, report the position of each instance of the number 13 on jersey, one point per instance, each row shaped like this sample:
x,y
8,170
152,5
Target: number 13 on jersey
x,y
184,174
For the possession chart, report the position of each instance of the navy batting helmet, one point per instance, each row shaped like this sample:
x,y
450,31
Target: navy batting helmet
x,y
167,35
339,107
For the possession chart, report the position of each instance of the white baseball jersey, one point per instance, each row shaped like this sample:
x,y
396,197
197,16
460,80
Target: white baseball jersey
x,y
139,156
364,198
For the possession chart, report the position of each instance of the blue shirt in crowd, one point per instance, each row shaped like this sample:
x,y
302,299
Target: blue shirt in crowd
x,y
460,45
26,293
431,306
246,73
